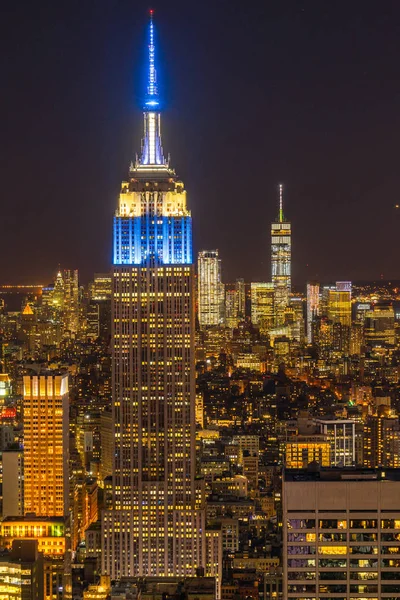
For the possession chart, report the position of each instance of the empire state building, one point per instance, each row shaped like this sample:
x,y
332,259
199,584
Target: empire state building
x,y
156,526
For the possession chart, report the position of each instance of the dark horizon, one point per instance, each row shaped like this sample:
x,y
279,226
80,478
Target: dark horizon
x,y
304,94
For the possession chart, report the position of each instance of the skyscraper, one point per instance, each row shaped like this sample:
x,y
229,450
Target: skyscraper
x,y
312,307
231,313
240,298
340,529
379,325
71,302
210,289
339,303
157,523
281,261
235,303
262,305
46,439
341,434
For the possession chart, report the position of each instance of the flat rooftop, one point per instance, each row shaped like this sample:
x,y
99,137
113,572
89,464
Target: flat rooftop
x,y
326,474
32,518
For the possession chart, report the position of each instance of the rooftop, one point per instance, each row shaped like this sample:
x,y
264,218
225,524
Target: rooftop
x,y
316,473
29,518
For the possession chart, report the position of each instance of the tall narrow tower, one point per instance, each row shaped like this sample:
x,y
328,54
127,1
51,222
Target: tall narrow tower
x,y
281,245
210,289
157,523
46,444
313,301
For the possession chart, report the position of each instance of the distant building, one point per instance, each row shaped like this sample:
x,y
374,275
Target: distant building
x,y
210,289
240,299
101,287
312,307
341,435
301,450
71,302
281,249
262,305
379,325
13,483
339,304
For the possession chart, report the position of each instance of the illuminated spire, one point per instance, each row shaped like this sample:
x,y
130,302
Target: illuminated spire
x,y
281,217
152,102
152,152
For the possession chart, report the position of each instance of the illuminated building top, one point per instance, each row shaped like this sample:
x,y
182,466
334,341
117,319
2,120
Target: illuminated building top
x,y
152,224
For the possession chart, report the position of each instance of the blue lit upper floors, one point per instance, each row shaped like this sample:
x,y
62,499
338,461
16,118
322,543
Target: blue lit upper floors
x,y
150,240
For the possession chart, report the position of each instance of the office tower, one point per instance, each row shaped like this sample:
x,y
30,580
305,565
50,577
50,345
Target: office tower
x,y
379,325
339,303
262,305
156,526
240,297
356,337
301,450
21,572
231,306
46,442
70,302
312,307
106,444
98,310
28,328
249,443
59,314
360,309
338,310
341,435
13,482
7,435
5,385
294,317
93,320
381,441
235,303
101,287
340,533
322,336
210,289
199,410
324,298
49,531
57,293
281,260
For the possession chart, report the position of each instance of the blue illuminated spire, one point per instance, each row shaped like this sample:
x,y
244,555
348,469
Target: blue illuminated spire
x,y
152,152
152,102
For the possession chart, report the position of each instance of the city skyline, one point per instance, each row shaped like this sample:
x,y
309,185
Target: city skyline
x,y
332,147
173,433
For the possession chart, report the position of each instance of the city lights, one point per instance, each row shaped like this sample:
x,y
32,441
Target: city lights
x,y
169,430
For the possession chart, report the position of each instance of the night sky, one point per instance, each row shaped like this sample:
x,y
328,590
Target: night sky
x,y
255,93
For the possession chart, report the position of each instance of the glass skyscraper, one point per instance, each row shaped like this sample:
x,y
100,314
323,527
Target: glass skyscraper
x,y
211,295
157,524
281,249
